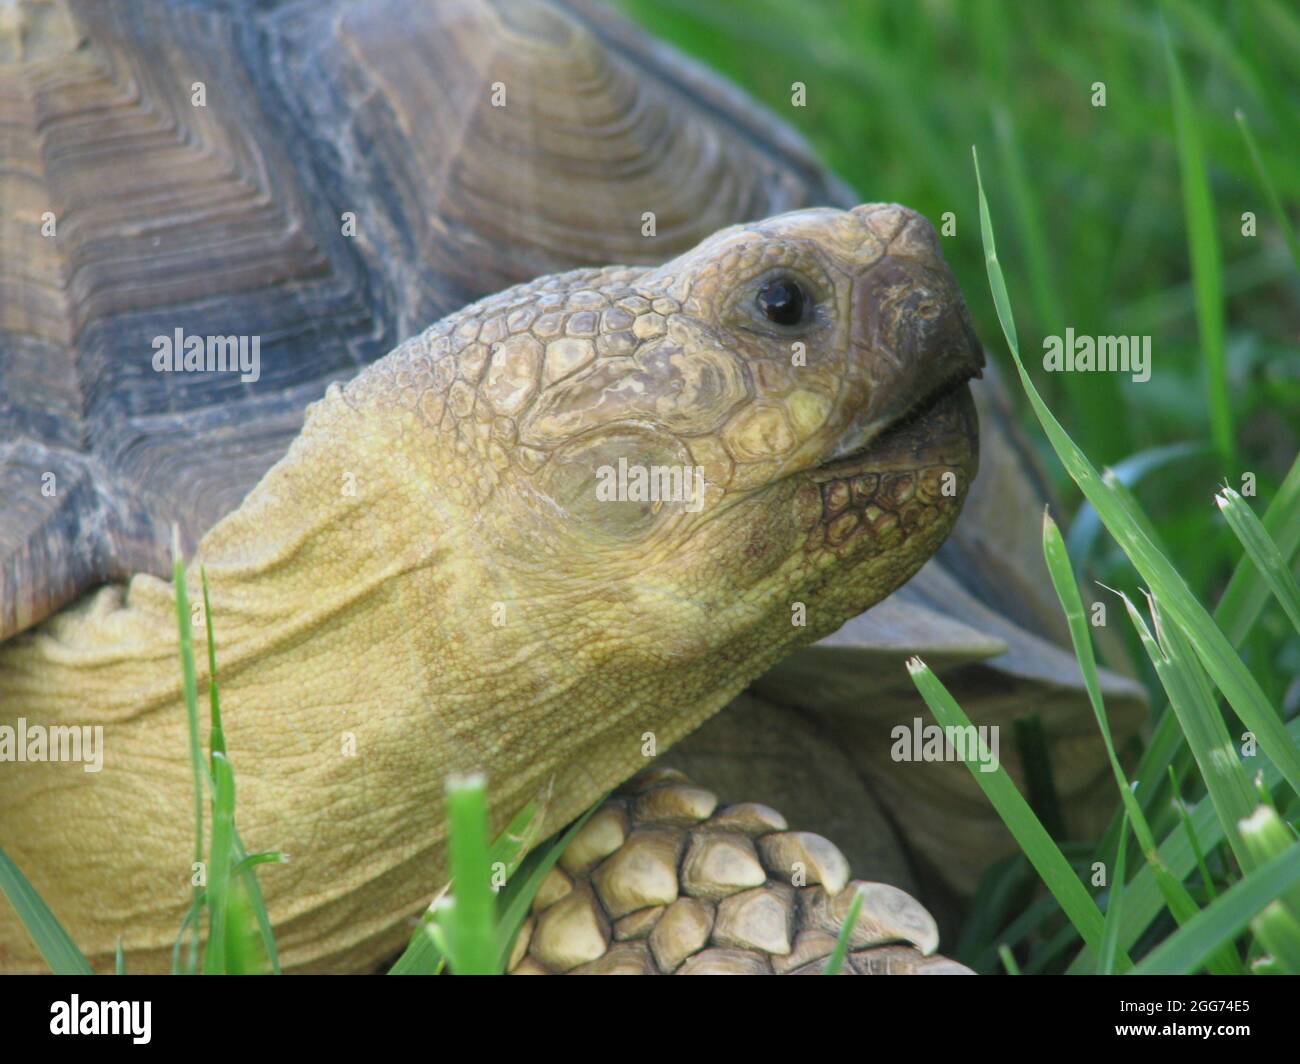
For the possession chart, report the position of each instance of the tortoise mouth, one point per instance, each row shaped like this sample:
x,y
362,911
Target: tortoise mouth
x,y
939,429
908,481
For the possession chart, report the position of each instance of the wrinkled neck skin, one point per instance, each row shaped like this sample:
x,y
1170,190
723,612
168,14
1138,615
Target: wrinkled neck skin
x,y
372,637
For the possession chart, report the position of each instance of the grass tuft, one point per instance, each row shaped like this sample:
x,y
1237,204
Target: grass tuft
x,y
1190,654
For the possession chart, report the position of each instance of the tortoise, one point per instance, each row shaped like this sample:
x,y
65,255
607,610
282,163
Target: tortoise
x,y
226,229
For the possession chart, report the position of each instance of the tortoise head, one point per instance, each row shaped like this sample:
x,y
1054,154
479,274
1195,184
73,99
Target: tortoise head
x,y
777,417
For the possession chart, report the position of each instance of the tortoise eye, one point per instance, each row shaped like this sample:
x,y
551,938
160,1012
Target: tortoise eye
x,y
782,301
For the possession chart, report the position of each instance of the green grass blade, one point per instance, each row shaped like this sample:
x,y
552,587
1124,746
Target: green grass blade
x,y
246,952
468,925
1008,960
1270,190
835,962
252,859
441,912
1193,704
1261,550
997,283
54,942
1278,931
189,690
1247,592
422,955
1166,743
1128,502
1188,947
518,838
228,854
1266,835
1029,833
1230,793
1067,592
1086,526
244,867
119,960
1110,932
217,736
518,896
193,916
1212,648
219,863
1207,263
1278,927
1207,881
1177,897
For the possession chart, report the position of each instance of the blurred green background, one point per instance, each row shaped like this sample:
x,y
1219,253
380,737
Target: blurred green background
x,y
1089,205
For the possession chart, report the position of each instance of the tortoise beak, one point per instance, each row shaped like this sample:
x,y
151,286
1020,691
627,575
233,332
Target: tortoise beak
x,y
911,336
